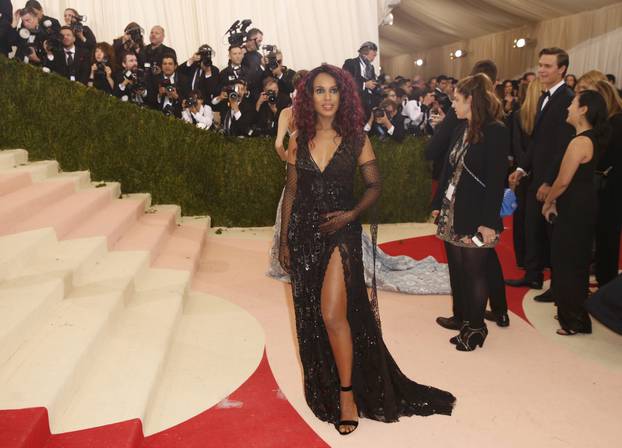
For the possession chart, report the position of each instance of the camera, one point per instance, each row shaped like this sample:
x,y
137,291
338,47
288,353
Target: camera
x,y
237,32
137,79
378,112
271,56
136,38
207,53
101,67
168,85
272,96
168,110
233,92
77,24
192,102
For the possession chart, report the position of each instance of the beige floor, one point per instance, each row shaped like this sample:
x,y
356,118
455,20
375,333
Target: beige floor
x,y
523,389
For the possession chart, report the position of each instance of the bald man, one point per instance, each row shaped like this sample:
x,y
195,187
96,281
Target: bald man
x,y
151,56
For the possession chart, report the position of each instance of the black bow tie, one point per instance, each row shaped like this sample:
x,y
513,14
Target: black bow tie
x,y
545,94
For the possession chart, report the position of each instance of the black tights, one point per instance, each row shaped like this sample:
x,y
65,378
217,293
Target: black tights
x,y
468,274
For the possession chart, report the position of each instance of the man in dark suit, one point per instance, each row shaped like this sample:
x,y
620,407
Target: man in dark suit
x,y
150,57
268,108
72,62
132,84
227,76
201,74
168,88
6,19
438,149
252,62
284,76
386,123
440,92
364,75
541,163
239,116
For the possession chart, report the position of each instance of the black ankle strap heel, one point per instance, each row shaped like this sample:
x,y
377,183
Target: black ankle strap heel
x,y
353,423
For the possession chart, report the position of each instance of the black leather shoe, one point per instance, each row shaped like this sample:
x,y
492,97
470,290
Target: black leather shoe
x,y
502,320
545,297
522,282
451,323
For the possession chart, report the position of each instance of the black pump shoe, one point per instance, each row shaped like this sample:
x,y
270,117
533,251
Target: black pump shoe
x,y
338,426
469,338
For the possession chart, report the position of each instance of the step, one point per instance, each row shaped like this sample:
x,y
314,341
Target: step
x,y
146,196
17,250
40,170
150,232
166,207
65,260
7,160
183,249
70,212
23,308
23,203
112,221
24,428
52,360
21,155
83,178
127,434
127,367
10,181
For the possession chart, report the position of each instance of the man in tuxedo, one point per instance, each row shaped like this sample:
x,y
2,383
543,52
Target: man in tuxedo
x,y
541,163
252,62
130,83
201,74
437,149
72,62
386,123
440,92
228,75
168,88
239,115
364,75
150,57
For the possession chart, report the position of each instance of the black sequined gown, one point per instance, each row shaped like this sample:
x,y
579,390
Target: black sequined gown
x,y
381,391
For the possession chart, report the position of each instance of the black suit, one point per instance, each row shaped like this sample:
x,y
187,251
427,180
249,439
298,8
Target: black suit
x,y
90,42
196,80
353,66
399,133
153,56
549,141
438,148
6,17
254,72
78,70
243,125
160,102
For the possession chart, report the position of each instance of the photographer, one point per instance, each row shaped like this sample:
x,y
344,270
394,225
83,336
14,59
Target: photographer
x,y
102,68
84,36
284,75
417,112
228,75
268,108
168,86
35,43
72,62
6,31
201,74
130,42
240,113
385,122
45,21
440,91
150,57
252,62
131,82
196,112
364,75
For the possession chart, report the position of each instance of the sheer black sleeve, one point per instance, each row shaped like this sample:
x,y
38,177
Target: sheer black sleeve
x,y
373,187
286,211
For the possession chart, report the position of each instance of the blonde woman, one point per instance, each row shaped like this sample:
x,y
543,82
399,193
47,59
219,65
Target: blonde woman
x,y
522,127
589,79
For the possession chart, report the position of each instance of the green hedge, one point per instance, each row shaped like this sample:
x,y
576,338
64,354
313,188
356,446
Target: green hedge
x,y
236,181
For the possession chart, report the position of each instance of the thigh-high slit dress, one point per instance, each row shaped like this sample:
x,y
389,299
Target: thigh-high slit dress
x,y
381,391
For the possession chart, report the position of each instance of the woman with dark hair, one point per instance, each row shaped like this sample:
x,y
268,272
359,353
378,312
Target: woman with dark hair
x,y
132,41
348,371
571,81
571,206
469,222
509,100
102,67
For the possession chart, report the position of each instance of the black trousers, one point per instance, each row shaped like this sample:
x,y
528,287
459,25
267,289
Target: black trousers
x,y
475,276
537,238
608,227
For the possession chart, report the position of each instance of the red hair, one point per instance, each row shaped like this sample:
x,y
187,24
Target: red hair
x,y
348,121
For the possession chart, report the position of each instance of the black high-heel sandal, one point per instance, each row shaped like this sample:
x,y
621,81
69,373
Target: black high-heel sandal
x,y
455,339
469,338
346,422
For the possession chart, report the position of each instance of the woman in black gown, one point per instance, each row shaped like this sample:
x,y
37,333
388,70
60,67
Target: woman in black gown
x,y
348,371
572,199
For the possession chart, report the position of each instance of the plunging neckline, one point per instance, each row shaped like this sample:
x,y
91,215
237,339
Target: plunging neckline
x,y
329,162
